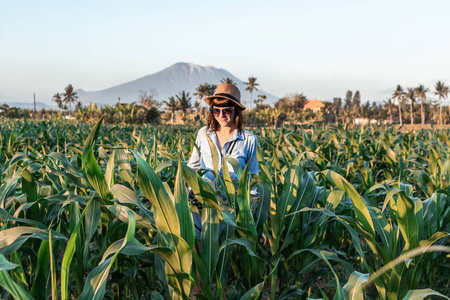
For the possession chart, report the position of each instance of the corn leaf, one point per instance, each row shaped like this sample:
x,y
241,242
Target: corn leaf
x,y
90,142
422,294
361,211
352,289
96,178
95,284
184,214
9,285
68,255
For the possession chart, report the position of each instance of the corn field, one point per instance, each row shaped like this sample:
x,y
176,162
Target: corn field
x,y
102,212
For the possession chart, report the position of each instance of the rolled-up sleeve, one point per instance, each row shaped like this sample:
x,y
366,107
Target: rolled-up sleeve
x,y
253,158
194,161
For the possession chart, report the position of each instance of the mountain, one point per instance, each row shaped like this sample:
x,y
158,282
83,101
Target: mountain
x,y
169,82
29,105
19,102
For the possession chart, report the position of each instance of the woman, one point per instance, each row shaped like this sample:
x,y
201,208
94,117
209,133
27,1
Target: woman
x,y
224,127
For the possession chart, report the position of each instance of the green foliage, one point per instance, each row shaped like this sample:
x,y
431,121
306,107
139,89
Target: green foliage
x,y
101,212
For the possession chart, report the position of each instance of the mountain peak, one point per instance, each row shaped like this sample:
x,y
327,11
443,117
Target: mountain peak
x,y
166,83
189,67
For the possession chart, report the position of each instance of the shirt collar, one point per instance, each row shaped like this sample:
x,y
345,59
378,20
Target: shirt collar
x,y
236,135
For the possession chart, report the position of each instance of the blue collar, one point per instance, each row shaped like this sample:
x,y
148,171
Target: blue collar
x,y
236,135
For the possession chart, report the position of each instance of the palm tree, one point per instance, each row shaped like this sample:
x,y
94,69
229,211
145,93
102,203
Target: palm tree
x,y
389,106
201,91
259,101
184,101
251,85
69,96
58,101
211,89
440,92
172,106
228,80
399,94
78,105
421,93
411,95
197,109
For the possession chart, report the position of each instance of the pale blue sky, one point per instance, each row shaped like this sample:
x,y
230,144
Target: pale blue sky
x,y
321,48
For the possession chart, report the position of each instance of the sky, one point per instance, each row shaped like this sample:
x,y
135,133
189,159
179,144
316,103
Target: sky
x,y
321,48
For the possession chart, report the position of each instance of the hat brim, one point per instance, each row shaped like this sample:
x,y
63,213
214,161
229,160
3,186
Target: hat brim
x,y
209,99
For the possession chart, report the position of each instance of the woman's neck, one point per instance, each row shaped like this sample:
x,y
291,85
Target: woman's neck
x,y
229,130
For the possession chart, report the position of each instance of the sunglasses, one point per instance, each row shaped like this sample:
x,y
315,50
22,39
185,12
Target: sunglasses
x,y
225,111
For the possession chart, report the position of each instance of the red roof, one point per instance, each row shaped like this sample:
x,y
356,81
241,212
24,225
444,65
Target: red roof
x,y
313,104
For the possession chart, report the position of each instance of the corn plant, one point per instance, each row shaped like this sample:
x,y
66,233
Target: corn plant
x,y
103,213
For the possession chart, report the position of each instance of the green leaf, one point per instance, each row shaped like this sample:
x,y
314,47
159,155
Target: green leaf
x,y
229,191
247,244
361,210
29,185
254,292
121,212
90,142
291,294
338,295
404,258
68,255
52,268
210,241
91,222
326,256
262,210
164,209
5,216
263,167
422,294
245,218
6,265
352,290
203,192
11,239
128,196
184,213
109,173
123,165
9,285
95,284
8,187
65,163
237,169
434,238
180,258
214,155
96,178
41,271
407,221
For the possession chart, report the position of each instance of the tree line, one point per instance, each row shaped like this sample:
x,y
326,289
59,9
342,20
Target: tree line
x,y
411,105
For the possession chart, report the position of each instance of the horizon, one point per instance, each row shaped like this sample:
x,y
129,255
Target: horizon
x,y
321,49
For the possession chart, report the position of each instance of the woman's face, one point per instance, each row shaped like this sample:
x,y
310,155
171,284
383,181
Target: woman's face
x,y
224,115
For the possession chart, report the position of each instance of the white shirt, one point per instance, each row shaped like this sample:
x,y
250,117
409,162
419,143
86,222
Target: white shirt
x,y
241,146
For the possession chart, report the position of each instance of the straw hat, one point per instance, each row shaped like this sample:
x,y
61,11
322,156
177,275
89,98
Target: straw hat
x,y
226,91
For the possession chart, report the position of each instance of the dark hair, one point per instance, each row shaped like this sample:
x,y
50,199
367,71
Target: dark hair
x,y
212,124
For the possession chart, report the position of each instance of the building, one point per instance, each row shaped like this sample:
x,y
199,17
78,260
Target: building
x,y
314,105
364,121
